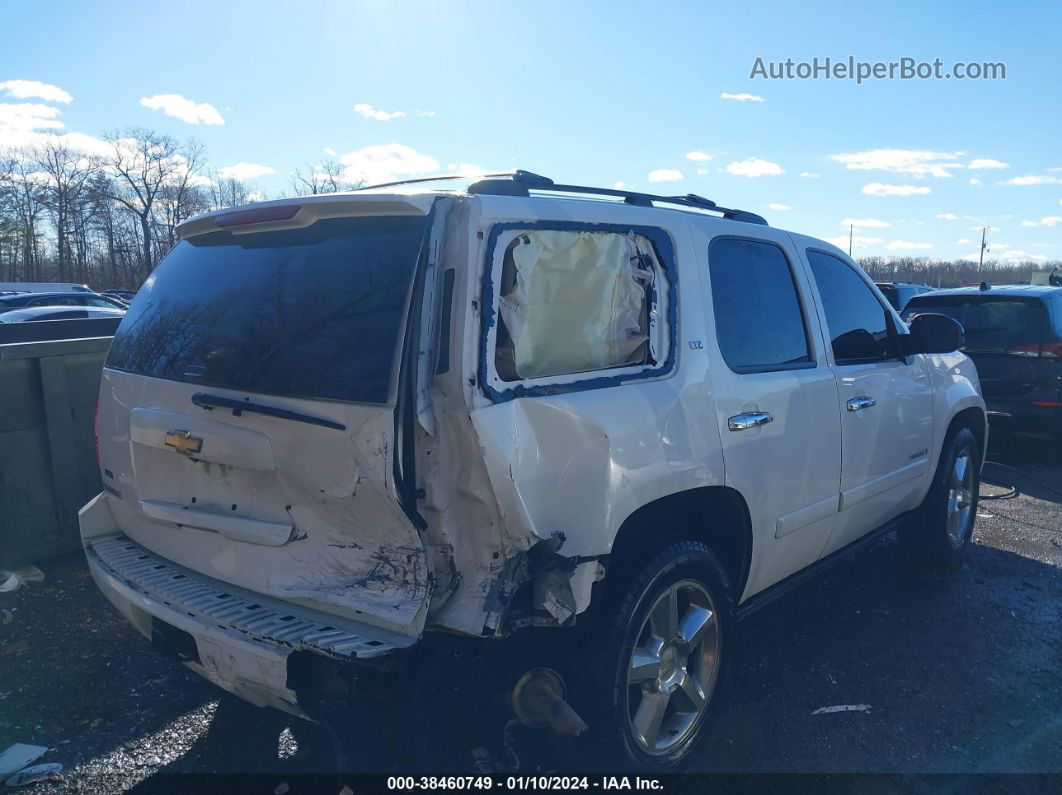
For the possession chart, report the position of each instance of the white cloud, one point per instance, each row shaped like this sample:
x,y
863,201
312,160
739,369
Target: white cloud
x,y
947,216
369,112
698,157
468,169
962,241
976,182
330,151
810,175
878,189
34,89
1033,179
780,207
386,163
25,116
987,162
619,185
858,242
182,108
423,114
1048,220
665,175
742,97
866,223
904,245
1016,255
245,171
701,172
918,163
754,167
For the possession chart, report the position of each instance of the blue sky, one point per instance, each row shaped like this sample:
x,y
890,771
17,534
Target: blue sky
x,y
588,92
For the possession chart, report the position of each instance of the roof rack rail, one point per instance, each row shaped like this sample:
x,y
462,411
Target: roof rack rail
x,y
521,183
439,178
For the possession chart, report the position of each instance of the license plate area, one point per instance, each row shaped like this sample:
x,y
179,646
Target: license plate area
x,y
173,642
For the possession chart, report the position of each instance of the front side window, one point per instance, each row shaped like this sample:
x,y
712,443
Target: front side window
x,y
857,321
758,320
574,303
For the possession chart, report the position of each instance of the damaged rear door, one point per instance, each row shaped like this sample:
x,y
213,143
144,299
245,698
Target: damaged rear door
x,y
247,417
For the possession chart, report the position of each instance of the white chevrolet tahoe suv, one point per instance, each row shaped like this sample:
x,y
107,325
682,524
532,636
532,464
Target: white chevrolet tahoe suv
x,y
333,427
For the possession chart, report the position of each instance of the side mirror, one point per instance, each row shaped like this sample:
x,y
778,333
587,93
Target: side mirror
x,y
933,333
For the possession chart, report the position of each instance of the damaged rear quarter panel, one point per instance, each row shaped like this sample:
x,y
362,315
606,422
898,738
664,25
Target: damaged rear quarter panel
x,y
580,462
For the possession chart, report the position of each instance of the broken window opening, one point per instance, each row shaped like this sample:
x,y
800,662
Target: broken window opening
x,y
576,302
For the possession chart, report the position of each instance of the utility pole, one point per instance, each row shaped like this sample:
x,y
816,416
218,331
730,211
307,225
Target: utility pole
x,y
981,259
851,227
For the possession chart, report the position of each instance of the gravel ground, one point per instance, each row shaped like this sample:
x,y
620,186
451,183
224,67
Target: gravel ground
x,y
961,673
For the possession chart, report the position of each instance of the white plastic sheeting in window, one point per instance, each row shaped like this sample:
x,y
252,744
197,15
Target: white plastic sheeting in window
x,y
576,301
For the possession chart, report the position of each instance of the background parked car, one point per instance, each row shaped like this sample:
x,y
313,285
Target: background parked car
x,y
122,295
59,313
25,300
44,287
1014,336
899,293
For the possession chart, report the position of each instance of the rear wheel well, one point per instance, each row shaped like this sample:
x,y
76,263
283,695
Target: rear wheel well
x,y
717,516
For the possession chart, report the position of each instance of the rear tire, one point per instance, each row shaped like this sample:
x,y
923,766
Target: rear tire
x,y
648,683
944,524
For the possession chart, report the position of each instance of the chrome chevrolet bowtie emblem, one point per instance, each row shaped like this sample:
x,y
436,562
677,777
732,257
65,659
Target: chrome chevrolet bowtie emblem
x,y
183,442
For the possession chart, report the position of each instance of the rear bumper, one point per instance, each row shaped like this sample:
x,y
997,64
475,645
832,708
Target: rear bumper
x,y
243,641
1025,415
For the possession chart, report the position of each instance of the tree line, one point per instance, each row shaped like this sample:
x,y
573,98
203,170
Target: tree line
x,y
953,273
106,213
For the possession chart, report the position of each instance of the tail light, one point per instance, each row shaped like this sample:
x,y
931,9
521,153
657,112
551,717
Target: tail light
x,y
1029,349
1048,350
96,434
1052,350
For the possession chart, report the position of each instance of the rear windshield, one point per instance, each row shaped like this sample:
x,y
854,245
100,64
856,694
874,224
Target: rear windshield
x,y
314,312
986,321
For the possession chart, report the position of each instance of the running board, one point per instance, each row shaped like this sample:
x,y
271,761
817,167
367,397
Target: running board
x,y
793,581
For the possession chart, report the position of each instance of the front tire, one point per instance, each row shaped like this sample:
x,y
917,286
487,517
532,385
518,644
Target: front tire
x,y
944,524
651,680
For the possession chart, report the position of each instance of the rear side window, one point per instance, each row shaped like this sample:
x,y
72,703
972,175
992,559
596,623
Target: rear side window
x,y
857,321
575,301
315,312
987,321
758,320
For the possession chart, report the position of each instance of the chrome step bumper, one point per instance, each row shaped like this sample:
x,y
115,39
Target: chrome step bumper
x,y
217,604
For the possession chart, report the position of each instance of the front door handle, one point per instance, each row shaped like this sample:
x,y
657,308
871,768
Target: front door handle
x,y
857,403
750,419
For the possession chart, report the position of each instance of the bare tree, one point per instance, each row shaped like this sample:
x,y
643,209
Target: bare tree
x,y
184,197
65,176
324,177
143,164
23,198
228,192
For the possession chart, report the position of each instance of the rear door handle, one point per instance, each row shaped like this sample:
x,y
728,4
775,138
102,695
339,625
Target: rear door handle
x,y
750,419
857,403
